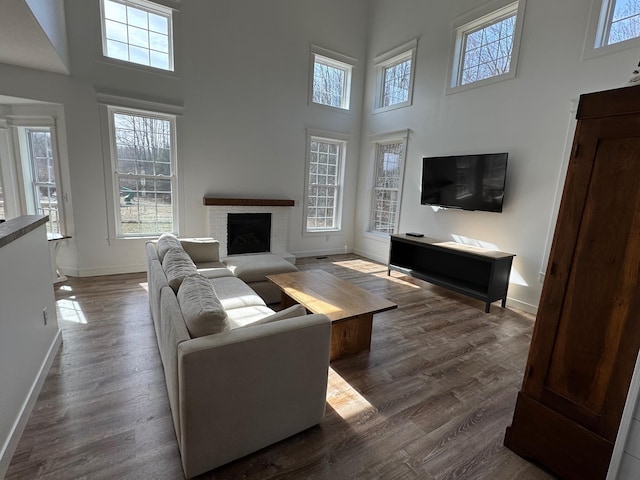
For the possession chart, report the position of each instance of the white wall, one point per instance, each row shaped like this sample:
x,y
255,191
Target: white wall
x,y
528,116
27,345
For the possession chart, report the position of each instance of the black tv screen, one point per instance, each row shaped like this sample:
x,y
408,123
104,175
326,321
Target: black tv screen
x,y
468,182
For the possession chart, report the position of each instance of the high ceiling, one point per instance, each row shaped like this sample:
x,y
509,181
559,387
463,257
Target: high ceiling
x,y
22,40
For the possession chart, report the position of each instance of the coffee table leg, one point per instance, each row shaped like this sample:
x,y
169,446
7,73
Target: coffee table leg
x,y
352,335
286,301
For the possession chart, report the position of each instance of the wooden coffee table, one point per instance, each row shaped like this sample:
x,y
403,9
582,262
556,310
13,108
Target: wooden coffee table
x,y
349,307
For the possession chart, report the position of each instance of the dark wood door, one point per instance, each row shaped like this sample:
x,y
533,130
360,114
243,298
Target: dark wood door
x,y
587,332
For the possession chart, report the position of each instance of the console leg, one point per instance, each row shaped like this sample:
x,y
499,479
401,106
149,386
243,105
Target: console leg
x,y
504,302
487,307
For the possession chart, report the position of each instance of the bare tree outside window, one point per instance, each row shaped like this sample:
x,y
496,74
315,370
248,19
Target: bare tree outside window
x,y
43,178
487,51
323,185
396,83
386,190
331,80
625,21
144,174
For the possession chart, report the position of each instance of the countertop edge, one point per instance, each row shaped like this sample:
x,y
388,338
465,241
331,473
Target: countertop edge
x,y
13,229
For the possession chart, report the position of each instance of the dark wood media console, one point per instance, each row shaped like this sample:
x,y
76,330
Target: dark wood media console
x,y
473,271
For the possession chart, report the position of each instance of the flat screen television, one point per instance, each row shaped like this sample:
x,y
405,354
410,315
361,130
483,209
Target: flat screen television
x,y
468,182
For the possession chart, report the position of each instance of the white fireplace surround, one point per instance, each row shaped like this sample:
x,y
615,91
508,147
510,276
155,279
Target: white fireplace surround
x,y
217,215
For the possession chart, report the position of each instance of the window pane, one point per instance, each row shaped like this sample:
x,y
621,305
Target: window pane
x,y
387,182
322,196
625,22
329,83
115,11
143,153
396,83
487,51
130,32
137,18
3,214
41,181
116,31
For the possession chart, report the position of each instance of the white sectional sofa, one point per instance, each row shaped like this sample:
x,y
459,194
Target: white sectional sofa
x,y
239,375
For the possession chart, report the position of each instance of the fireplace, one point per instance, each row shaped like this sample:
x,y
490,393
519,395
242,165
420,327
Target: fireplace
x,y
248,233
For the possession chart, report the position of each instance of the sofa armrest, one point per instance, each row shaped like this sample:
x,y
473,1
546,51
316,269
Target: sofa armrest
x,y
247,388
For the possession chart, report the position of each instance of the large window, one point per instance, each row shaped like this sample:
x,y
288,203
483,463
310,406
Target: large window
x,y
144,166
325,161
395,77
486,47
137,31
613,26
331,79
387,184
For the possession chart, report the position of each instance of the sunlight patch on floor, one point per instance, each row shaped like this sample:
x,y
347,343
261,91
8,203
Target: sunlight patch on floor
x,y
70,311
372,269
345,399
144,285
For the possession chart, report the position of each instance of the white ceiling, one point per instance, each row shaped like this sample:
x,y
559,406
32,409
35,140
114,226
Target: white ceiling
x,y
22,40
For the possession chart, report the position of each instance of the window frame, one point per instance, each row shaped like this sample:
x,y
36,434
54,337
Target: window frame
x,y
399,137
112,177
477,20
600,18
150,7
387,60
25,190
335,60
334,138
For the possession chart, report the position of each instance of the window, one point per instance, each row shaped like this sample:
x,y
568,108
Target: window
x,y
387,183
325,161
3,213
143,165
331,79
613,26
38,174
486,47
137,31
395,77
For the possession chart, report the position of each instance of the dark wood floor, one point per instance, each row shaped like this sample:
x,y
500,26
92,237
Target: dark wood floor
x,y
431,400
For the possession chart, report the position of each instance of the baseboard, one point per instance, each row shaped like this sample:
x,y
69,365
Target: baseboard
x,y
384,260
320,253
9,448
525,307
111,270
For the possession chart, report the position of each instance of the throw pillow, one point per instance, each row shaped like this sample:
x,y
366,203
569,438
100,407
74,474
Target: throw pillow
x,y
291,312
202,249
177,265
201,309
166,242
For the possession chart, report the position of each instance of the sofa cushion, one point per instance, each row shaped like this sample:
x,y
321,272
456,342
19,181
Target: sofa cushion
x,y
291,312
166,242
202,249
255,268
213,270
177,265
239,317
202,311
234,293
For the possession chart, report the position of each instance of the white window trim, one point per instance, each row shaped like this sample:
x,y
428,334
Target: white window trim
x,y
472,20
111,188
381,62
339,61
161,7
597,28
335,138
400,136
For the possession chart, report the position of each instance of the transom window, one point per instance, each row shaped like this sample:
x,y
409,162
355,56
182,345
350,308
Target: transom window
x,y
331,83
324,181
387,185
486,48
395,77
138,31
143,162
620,21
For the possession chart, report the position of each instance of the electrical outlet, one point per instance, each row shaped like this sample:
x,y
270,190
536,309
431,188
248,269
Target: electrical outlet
x,y
45,315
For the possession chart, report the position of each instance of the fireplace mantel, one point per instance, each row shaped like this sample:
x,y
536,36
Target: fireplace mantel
x,y
247,202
